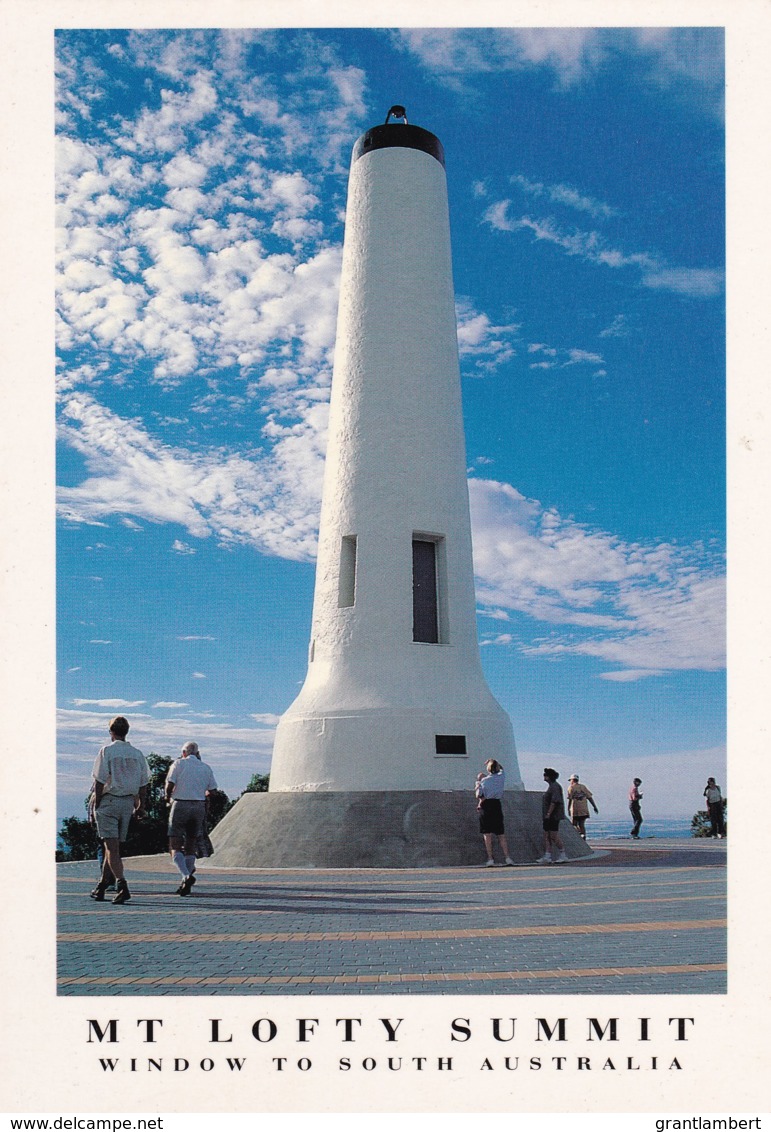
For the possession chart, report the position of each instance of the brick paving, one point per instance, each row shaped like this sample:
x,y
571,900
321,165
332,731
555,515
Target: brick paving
x,y
637,918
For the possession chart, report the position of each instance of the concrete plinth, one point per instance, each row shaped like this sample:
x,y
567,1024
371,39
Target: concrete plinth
x,y
369,829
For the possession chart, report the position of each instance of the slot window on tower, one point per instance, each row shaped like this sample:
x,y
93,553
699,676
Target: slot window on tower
x,y
429,620
346,592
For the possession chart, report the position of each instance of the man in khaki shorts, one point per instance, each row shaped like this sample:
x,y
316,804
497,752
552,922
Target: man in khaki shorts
x,y
121,776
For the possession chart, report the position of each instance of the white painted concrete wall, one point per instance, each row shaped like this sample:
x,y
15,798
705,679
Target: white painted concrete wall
x,y
373,699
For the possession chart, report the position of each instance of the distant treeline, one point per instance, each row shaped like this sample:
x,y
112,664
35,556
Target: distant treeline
x,y
79,841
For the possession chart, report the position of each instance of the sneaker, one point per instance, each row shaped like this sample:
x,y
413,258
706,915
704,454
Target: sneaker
x,y
561,859
489,864
508,861
545,860
122,894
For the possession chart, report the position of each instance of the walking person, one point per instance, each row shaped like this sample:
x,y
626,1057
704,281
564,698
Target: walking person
x,y
110,886
579,800
121,776
635,797
189,783
715,808
489,792
553,810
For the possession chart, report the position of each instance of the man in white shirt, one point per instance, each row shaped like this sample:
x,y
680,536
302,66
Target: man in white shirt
x,y
189,782
121,776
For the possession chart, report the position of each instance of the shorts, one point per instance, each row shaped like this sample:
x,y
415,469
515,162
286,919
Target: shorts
x,y
491,816
551,825
113,815
186,821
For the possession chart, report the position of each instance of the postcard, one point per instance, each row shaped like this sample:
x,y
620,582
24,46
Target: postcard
x,y
212,210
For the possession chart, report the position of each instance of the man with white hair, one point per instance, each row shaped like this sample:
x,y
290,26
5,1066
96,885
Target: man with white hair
x,y
188,786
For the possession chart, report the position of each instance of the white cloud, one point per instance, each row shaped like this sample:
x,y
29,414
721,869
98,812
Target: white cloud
x,y
688,60
163,230
618,328
272,503
180,547
647,609
562,356
576,357
199,675
697,283
116,704
489,346
628,675
183,171
454,54
565,194
170,704
495,614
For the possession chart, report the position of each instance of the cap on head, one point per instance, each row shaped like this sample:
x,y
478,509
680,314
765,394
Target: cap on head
x,y
574,778
638,782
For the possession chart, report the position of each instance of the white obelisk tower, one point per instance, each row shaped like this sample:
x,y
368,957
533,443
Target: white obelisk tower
x,y
395,698
374,763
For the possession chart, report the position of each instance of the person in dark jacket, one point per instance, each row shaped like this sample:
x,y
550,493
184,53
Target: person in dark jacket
x,y
553,809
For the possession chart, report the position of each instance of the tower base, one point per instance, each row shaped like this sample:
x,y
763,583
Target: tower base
x,y
377,830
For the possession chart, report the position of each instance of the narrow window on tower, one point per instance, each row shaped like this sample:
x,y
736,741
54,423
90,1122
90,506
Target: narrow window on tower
x,y
346,592
428,588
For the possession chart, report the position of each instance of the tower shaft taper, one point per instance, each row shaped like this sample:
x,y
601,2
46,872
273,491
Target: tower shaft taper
x,y
395,697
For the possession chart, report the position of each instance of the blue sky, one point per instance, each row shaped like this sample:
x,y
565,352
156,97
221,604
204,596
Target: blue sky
x,y
201,193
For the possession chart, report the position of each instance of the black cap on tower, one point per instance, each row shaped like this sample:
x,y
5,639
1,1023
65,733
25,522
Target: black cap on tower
x,y
399,135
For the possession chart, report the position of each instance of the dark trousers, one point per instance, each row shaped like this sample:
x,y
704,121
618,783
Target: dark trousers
x,y
634,808
716,818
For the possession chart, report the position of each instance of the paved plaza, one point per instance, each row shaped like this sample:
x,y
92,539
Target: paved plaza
x,y
645,917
